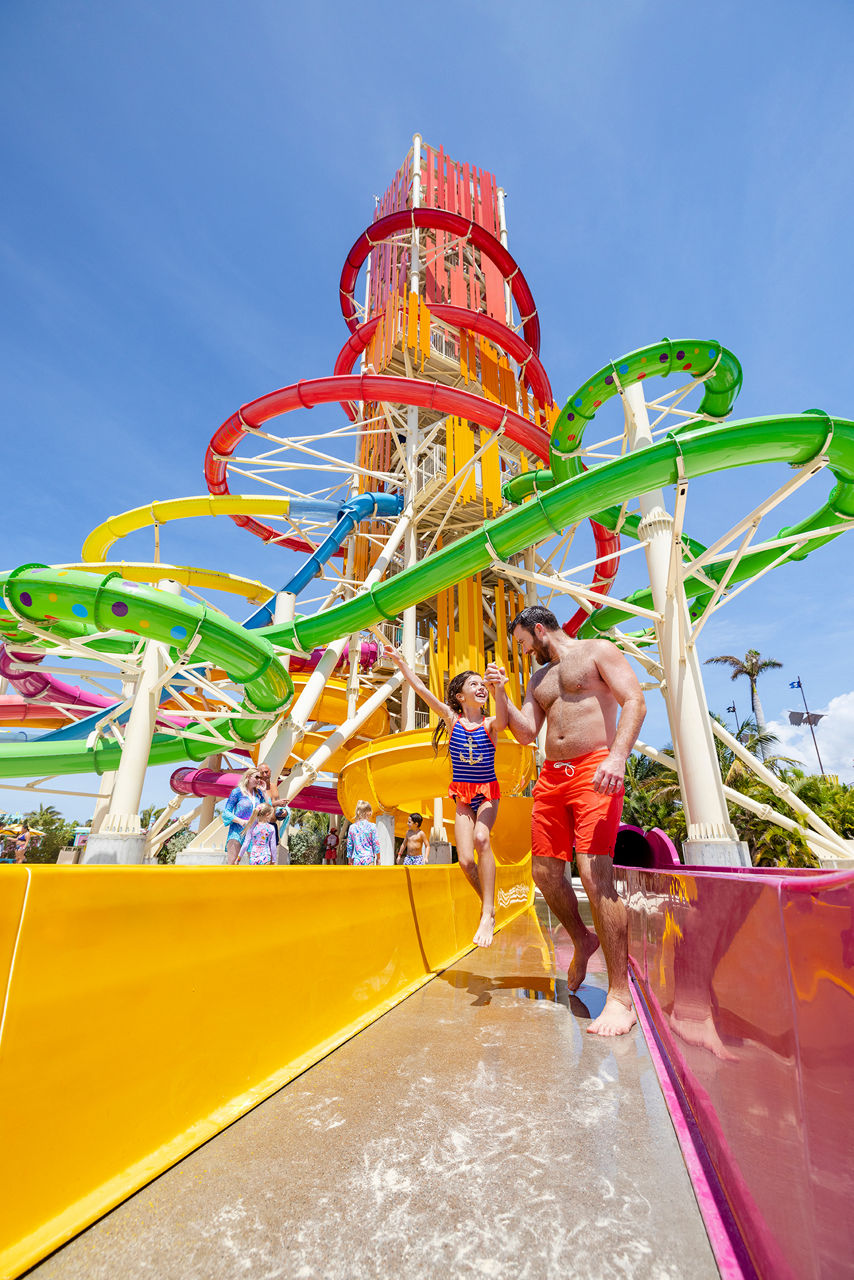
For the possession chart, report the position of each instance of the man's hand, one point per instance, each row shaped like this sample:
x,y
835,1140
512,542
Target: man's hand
x,y
608,778
495,676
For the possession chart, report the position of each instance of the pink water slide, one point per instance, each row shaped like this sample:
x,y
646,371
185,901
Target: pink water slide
x,y
210,782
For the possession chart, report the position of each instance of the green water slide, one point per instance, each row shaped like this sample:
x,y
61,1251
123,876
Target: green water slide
x,y
793,439
71,604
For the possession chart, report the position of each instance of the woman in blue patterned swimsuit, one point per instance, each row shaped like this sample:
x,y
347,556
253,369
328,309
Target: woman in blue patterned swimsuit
x,y
474,788
239,808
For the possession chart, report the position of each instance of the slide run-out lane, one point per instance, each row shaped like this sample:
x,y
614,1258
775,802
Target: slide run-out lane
x,y
476,1130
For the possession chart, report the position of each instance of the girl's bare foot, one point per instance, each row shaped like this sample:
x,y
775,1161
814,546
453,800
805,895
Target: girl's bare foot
x,y
485,930
615,1019
577,971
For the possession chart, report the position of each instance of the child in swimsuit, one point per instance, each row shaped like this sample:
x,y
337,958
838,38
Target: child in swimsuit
x,y
414,847
259,841
474,788
363,849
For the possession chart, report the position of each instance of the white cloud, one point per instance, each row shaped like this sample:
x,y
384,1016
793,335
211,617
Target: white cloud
x,y
834,734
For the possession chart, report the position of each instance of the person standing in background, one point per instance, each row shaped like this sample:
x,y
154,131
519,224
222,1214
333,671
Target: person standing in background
x,y
363,848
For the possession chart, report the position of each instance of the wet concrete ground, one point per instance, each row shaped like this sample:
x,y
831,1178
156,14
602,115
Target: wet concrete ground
x,y
474,1131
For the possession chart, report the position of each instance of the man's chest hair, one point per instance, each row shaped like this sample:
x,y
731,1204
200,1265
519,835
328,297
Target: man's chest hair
x,y
576,675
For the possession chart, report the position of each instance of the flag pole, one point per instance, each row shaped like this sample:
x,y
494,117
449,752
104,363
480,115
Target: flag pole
x,y
812,730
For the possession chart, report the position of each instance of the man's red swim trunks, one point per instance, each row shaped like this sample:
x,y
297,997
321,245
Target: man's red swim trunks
x,y
569,814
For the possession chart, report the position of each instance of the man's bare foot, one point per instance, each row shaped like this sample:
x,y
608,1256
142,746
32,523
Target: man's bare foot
x,y
577,971
614,1020
485,930
703,1033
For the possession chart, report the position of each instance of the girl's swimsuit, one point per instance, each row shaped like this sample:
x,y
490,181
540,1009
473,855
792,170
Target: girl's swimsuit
x,y
260,843
362,845
472,754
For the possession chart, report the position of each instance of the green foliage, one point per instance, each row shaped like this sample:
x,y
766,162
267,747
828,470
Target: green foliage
x,y
150,815
167,852
57,833
653,799
308,833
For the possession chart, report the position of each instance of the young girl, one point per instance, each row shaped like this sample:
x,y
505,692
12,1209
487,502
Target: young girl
x,y
363,848
242,802
260,840
475,788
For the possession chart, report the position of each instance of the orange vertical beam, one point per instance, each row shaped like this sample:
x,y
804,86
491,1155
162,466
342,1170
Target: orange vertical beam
x,y
412,324
424,333
500,625
450,447
464,357
479,633
463,454
464,640
435,679
444,620
471,656
490,466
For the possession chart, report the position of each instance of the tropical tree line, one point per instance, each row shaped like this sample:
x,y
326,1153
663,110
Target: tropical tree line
x,y
653,798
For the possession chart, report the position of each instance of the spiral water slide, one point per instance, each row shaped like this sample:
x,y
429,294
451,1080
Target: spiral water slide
x,y
69,603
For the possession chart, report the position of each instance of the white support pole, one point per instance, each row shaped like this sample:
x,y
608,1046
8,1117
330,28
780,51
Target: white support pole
x,y
208,805
532,597
502,232
780,789
102,804
385,838
410,548
440,846
121,839
306,771
438,832
279,742
712,839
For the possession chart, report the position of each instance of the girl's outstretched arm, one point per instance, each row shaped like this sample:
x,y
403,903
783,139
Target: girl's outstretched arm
x,y
415,682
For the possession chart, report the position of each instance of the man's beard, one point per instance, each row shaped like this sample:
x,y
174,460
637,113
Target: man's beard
x,y
541,653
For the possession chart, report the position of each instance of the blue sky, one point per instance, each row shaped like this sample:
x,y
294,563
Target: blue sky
x,y
183,182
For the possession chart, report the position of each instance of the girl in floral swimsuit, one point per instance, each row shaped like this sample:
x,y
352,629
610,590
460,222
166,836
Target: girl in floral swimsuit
x,y
474,788
260,842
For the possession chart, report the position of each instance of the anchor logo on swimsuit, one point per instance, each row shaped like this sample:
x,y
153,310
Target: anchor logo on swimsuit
x,y
471,758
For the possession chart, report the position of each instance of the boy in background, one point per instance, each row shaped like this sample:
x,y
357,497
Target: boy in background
x,y
414,847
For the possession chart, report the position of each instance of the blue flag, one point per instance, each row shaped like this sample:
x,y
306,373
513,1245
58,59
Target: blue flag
x,y
794,684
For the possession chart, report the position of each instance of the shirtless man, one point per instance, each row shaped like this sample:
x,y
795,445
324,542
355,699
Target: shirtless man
x,y
578,798
414,847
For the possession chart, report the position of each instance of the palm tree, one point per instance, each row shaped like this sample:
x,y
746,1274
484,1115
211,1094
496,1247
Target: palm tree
x,y
752,666
149,815
45,814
